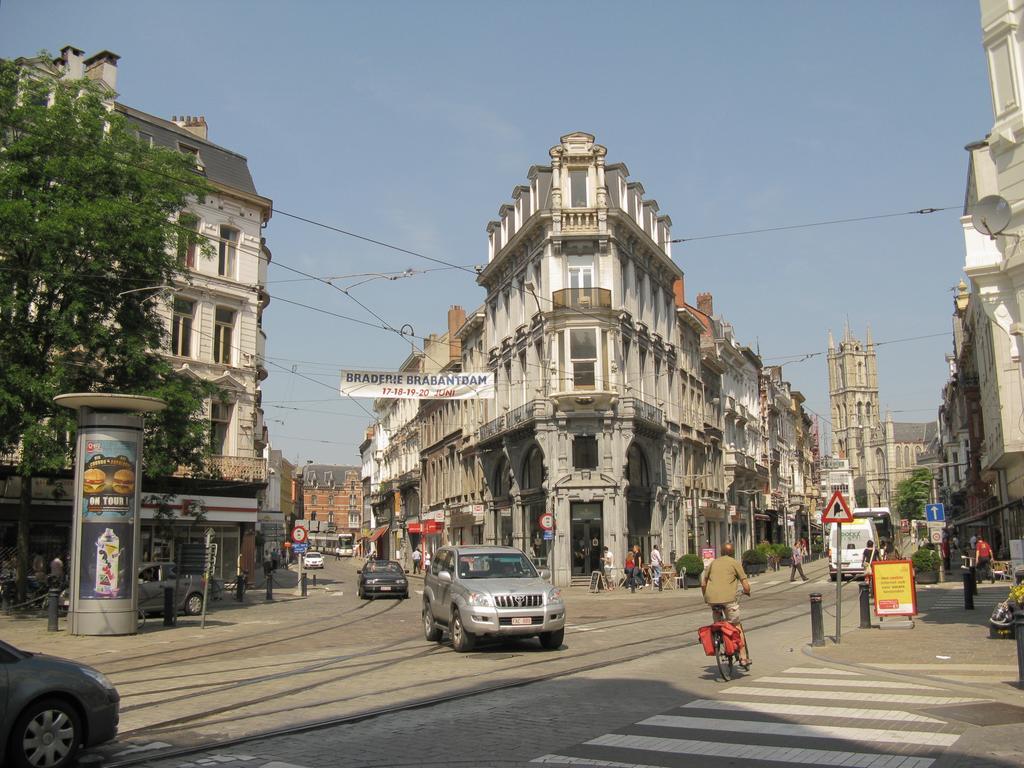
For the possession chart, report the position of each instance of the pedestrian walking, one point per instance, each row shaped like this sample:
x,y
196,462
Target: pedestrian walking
x,y
656,563
426,561
628,567
416,557
638,566
797,561
609,566
983,559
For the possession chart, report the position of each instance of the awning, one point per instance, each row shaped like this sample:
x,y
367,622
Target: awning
x,y
412,527
378,532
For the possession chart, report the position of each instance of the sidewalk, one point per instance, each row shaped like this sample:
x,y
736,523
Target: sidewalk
x,y
947,643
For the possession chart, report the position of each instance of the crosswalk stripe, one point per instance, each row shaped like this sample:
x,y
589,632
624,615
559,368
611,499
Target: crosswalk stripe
x,y
887,698
798,755
570,760
822,671
848,713
803,731
828,683
982,668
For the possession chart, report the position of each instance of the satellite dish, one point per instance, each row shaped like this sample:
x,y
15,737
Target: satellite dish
x,y
990,215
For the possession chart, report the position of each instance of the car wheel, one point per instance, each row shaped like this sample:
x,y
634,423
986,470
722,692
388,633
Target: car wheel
x,y
462,641
359,593
194,604
551,641
430,630
46,735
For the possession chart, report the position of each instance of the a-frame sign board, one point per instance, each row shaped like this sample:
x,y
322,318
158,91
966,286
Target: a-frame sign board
x,y
837,510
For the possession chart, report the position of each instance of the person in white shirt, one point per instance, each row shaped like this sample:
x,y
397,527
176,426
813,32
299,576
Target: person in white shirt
x,y
656,563
609,566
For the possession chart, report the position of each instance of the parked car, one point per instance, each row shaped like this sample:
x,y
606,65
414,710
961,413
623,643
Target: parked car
x,y
313,560
486,591
51,707
382,578
155,577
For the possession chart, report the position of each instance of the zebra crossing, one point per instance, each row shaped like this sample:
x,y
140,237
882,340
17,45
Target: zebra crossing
x,y
801,716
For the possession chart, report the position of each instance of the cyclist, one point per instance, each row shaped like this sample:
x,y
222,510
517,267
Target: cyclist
x,y
719,588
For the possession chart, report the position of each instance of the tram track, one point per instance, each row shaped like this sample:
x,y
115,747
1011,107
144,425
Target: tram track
x,y
599,659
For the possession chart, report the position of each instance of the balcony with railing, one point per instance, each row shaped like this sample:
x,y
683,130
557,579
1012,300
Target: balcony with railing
x,y
580,220
518,418
642,412
582,298
247,468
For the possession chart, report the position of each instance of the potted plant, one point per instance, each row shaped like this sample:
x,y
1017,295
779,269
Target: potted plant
x,y
754,562
694,566
784,553
926,565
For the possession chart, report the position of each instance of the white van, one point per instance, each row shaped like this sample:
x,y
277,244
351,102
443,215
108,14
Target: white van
x,y
856,536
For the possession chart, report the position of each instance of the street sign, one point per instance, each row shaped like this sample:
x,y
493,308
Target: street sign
x,y
935,513
299,534
837,510
300,549
548,535
547,521
935,535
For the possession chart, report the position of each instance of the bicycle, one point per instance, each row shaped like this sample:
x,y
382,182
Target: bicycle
x,y
723,640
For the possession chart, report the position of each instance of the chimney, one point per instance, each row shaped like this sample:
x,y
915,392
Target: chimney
x,y
102,67
194,125
456,319
678,290
72,62
705,304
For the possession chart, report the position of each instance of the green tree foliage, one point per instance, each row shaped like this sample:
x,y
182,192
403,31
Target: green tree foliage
x,y
913,493
88,214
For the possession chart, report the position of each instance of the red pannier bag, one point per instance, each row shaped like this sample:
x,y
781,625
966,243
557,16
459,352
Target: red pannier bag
x,y
704,634
730,636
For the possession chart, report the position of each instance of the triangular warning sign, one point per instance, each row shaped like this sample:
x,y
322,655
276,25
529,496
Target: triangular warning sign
x,y
837,510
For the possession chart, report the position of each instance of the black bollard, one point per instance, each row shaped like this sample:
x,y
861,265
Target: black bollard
x,y
969,587
865,607
817,624
170,615
314,579
270,586
54,600
1018,628
303,584
240,588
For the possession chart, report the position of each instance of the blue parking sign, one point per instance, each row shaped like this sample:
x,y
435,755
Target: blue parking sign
x,y
935,513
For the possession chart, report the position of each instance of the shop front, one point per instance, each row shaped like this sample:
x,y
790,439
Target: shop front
x,y
587,537
501,518
467,525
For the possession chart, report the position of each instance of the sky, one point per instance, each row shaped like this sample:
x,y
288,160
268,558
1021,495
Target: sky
x,y
410,123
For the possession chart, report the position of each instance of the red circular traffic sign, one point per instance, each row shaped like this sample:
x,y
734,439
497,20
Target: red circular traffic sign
x,y
299,534
547,521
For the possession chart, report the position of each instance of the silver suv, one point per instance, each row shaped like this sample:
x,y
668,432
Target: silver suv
x,y
484,591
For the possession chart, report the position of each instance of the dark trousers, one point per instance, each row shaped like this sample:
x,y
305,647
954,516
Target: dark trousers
x,y
793,571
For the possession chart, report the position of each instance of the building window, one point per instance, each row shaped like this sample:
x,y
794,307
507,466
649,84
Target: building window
x,y
227,251
578,189
220,420
312,500
584,452
330,501
583,356
223,327
181,328
188,239
581,272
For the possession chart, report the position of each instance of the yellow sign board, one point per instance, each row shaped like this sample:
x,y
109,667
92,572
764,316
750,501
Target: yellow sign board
x,y
894,588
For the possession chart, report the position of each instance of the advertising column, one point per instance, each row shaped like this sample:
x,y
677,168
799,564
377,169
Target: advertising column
x,y
105,533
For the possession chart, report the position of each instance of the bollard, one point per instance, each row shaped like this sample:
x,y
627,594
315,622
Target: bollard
x,y
1018,628
54,597
304,584
314,579
865,607
170,615
270,586
969,588
240,587
817,624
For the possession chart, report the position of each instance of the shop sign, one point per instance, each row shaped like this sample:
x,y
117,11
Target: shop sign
x,y
894,588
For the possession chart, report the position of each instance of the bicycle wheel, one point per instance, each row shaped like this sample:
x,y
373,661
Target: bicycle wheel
x,y
723,659
141,619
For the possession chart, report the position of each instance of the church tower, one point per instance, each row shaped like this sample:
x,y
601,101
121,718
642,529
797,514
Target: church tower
x,y
853,397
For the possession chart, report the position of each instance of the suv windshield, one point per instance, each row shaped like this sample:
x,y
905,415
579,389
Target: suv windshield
x,y
504,565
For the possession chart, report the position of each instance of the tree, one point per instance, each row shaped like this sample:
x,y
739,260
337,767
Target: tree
x,y
913,493
88,215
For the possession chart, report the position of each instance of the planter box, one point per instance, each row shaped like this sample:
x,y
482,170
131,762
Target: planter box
x,y
786,562
927,577
691,581
753,569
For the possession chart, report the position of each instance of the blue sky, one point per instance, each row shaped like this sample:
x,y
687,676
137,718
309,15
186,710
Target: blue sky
x,y
411,122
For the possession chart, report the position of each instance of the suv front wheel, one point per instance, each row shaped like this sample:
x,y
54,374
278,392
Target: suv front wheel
x,y
430,630
462,641
551,641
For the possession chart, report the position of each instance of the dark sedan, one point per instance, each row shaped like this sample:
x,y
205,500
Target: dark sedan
x,y
382,578
51,707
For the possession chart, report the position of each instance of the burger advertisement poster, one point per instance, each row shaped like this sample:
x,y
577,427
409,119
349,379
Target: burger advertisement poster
x,y
109,509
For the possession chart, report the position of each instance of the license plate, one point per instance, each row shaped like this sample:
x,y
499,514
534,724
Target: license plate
x,y
385,589
520,620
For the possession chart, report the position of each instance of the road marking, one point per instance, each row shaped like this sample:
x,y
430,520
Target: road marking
x,y
982,668
823,683
886,698
804,731
850,713
760,752
823,671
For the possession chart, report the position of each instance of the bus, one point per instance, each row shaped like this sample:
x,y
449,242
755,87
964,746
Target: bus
x,y
339,544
